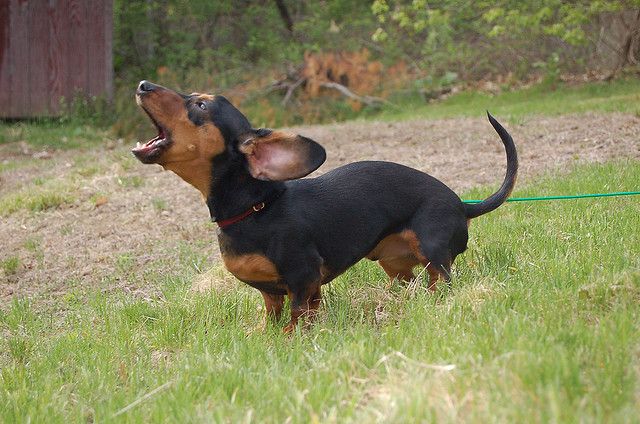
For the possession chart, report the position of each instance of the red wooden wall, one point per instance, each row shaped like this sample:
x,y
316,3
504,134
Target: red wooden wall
x,y
53,49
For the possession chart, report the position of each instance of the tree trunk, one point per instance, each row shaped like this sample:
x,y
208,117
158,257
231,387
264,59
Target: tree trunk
x,y
284,14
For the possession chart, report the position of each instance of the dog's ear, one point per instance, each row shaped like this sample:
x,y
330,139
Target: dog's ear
x,y
279,156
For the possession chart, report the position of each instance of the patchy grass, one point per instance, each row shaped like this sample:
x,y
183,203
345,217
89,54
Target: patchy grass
x,y
130,181
37,198
159,204
51,185
10,165
617,96
541,324
10,265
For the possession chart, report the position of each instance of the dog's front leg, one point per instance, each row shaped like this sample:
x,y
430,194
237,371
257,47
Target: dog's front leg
x,y
303,277
273,304
304,305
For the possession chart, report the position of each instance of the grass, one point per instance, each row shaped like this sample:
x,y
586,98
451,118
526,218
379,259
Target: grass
x,y
10,265
617,96
159,204
36,199
50,190
52,134
541,324
130,181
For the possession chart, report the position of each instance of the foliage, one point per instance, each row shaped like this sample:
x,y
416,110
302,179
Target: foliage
x,y
425,47
225,39
218,37
441,33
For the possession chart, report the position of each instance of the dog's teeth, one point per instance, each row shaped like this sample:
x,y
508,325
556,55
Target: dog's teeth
x,y
138,144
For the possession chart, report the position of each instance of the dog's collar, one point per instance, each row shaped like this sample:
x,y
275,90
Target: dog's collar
x,y
224,223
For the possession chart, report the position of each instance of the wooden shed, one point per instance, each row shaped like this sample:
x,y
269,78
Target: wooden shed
x,y
51,51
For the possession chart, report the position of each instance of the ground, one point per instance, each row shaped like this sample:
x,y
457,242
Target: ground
x,y
540,324
121,225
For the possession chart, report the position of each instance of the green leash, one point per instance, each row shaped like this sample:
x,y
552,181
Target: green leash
x,y
576,196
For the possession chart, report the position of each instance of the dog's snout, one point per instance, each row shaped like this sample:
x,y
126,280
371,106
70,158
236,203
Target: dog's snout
x,y
146,86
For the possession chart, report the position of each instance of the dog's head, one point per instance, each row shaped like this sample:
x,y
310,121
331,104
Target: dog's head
x,y
195,129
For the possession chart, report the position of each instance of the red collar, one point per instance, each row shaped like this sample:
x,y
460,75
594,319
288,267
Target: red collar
x,y
230,221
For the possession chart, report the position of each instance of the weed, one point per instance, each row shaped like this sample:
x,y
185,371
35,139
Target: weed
x,y
127,162
130,181
32,244
34,200
11,265
66,229
8,165
159,204
124,262
19,348
89,171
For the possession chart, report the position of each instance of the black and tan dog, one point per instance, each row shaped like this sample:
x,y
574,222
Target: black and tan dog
x,y
291,237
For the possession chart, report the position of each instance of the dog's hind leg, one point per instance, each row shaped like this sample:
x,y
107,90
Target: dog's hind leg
x,y
400,267
432,245
437,272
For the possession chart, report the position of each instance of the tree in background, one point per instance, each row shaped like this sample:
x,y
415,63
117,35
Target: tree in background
x,y
485,37
294,61
224,36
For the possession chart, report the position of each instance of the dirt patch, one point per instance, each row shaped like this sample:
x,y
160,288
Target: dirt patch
x,y
132,226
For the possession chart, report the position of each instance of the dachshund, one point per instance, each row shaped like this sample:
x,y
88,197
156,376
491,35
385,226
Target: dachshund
x,y
288,236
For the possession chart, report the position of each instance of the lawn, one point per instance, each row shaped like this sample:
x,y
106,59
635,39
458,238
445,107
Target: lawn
x,y
621,95
541,323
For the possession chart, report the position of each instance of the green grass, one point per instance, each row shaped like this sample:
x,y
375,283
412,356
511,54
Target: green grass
x,y
617,96
541,324
52,134
37,198
159,204
10,265
35,201
130,181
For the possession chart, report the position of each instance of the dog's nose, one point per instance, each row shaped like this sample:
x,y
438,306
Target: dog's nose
x,y
146,86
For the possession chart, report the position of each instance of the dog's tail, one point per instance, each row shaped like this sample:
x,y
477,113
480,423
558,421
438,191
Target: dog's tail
x,y
499,197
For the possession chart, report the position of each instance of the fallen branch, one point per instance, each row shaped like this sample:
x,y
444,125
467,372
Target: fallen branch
x,y
368,100
291,89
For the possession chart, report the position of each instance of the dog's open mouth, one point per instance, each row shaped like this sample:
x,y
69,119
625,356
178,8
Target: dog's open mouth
x,y
150,151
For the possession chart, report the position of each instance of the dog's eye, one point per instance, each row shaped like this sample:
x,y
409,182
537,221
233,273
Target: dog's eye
x,y
201,105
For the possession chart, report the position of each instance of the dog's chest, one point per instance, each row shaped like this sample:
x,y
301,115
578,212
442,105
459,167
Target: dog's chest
x,y
247,267
251,267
